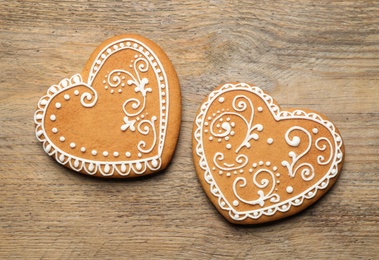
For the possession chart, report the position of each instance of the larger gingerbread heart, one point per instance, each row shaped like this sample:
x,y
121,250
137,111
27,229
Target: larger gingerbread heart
x,y
120,117
258,163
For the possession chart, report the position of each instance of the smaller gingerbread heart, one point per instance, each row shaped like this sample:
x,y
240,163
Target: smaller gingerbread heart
x,y
120,117
258,163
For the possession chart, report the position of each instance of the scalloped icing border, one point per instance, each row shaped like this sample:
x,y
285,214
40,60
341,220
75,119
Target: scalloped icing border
x,y
278,115
106,169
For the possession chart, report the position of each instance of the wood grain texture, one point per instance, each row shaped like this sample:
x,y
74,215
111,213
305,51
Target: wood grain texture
x,y
319,55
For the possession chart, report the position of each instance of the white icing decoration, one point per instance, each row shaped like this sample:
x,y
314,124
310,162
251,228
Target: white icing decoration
x,y
315,130
62,139
66,97
89,99
270,141
94,152
308,171
105,153
273,197
54,130
83,149
72,145
53,117
294,142
289,189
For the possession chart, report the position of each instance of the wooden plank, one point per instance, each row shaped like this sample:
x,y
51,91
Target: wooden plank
x,y
322,56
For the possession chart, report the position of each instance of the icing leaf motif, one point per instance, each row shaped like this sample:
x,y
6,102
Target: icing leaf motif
x,y
128,124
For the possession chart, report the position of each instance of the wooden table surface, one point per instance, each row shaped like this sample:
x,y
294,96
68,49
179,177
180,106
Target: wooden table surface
x,y
322,56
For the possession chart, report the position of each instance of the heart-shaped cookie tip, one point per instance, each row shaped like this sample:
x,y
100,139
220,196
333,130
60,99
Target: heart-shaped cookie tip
x,y
258,163
120,117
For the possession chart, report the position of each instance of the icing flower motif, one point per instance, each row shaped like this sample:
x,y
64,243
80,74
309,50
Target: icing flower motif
x,y
128,124
140,87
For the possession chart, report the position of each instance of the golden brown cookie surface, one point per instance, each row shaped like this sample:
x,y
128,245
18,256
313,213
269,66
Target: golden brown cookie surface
x,y
120,117
258,163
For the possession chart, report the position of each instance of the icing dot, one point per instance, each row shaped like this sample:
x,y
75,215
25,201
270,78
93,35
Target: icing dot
x,y
235,203
218,125
261,163
268,163
254,165
219,140
206,123
76,92
120,90
62,139
221,99
106,87
241,171
310,193
250,170
232,133
220,172
297,201
228,119
205,131
58,105
213,168
105,153
226,138
115,154
53,117
315,130
210,138
278,175
275,168
289,189
94,152
228,146
260,109
127,154
278,182
139,154
209,118
222,204
235,172
233,124
112,91
83,149
54,130
270,140
66,97
228,174
72,145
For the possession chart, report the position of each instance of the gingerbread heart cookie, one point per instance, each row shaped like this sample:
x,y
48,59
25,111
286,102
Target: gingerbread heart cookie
x,y
120,117
258,163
